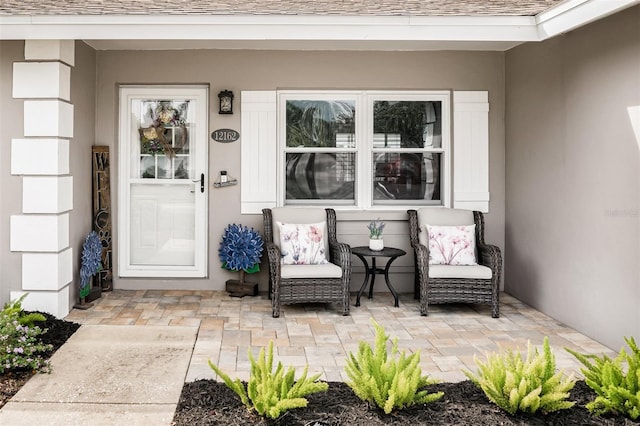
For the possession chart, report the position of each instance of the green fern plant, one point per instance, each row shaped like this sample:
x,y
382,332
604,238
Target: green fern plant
x,y
390,382
525,385
15,307
270,392
617,391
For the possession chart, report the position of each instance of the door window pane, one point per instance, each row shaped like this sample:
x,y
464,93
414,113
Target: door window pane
x,y
406,176
407,124
320,176
320,124
164,129
147,167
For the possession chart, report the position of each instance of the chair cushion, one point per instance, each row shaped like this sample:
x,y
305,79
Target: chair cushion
x,y
328,270
443,217
453,271
298,215
302,244
452,245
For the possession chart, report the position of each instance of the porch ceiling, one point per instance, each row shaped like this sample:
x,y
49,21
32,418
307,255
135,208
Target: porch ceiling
x,y
299,24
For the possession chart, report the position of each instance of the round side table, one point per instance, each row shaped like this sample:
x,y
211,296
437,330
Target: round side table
x,y
363,252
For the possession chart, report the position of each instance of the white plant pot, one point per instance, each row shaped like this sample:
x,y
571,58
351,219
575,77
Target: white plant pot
x,y
376,244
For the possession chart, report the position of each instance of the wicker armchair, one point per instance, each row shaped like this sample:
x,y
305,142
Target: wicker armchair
x,y
289,284
437,284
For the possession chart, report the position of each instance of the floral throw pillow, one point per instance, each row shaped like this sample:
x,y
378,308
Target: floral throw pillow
x,y
302,244
452,245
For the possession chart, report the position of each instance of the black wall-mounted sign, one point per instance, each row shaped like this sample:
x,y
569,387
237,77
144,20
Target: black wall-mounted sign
x,y
225,135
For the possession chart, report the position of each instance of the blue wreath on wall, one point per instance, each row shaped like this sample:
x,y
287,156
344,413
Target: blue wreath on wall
x,y
91,264
241,249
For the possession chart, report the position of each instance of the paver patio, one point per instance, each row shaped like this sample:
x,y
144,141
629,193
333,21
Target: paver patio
x,y
319,336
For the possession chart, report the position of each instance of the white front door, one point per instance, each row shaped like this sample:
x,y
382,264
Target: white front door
x,y
163,179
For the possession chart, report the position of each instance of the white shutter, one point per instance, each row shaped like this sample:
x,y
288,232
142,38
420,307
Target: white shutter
x,y
258,177
471,150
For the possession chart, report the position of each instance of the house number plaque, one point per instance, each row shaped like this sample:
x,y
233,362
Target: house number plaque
x,y
225,135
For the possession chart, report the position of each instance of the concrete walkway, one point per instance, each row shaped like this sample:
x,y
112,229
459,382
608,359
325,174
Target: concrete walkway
x,y
129,360
108,375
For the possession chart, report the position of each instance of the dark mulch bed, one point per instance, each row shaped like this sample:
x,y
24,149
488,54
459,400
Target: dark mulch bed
x,y
206,402
58,332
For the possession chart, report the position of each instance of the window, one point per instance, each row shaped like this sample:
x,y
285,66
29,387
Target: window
x,y
320,149
406,152
364,149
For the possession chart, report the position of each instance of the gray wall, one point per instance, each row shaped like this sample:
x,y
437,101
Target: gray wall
x,y
11,126
83,97
572,177
270,70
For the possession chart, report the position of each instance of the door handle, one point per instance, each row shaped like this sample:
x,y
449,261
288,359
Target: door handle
x,y
201,180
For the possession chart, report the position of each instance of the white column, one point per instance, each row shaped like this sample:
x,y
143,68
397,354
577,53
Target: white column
x,y
41,232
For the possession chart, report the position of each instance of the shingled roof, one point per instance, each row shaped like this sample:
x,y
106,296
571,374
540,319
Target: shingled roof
x,y
278,7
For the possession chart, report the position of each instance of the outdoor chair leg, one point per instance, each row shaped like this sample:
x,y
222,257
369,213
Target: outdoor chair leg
x,y
275,305
495,309
423,308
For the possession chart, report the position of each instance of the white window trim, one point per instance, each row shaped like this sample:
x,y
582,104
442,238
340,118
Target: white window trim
x,y
364,114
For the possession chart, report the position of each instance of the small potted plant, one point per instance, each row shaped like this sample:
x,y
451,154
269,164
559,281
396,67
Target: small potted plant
x,y
240,250
375,234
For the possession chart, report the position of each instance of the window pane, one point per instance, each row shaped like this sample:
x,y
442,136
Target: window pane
x,y
148,166
413,176
164,132
181,167
321,176
164,167
326,124
407,124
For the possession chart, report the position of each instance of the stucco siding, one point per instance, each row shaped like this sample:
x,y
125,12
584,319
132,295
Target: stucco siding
x,y
11,126
83,97
573,177
271,70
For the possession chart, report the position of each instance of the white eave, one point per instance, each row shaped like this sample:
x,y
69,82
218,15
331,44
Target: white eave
x,y
572,14
295,31
269,27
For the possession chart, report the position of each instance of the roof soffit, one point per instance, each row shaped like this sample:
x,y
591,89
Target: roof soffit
x,y
461,32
